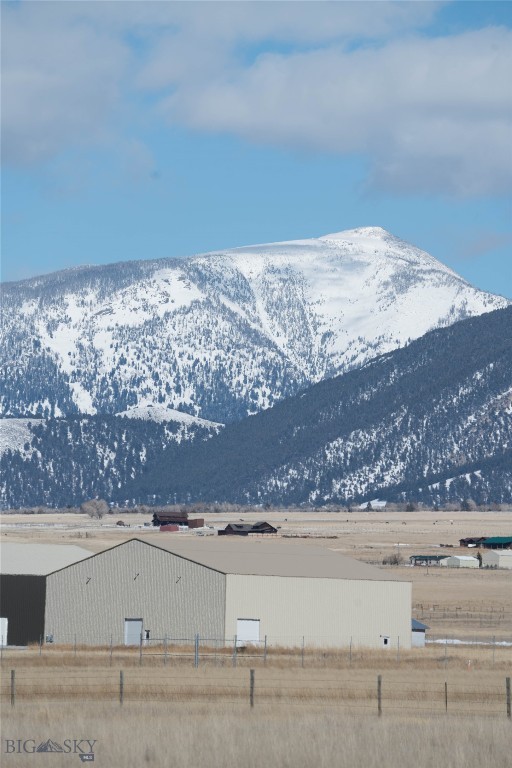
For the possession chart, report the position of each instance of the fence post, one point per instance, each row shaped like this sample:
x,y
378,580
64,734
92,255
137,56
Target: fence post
x,y
509,708
350,653
40,644
493,648
234,651
446,696
140,650
265,651
196,651
379,695
302,653
13,687
75,646
398,650
165,650
121,687
251,689
111,649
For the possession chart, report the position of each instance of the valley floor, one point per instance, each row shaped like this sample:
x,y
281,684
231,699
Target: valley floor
x,y
469,604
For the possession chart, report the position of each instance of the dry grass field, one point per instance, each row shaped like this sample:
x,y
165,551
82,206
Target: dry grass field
x,y
205,735
433,707
319,709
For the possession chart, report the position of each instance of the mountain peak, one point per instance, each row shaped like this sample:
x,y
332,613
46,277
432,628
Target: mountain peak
x,y
361,233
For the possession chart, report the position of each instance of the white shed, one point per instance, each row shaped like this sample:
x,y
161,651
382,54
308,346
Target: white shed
x,y
418,634
497,558
460,561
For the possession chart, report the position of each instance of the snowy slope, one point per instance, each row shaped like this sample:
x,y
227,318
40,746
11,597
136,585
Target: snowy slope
x,y
225,334
15,434
160,414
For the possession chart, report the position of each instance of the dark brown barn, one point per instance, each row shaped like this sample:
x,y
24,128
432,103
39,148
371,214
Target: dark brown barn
x,y
244,529
472,541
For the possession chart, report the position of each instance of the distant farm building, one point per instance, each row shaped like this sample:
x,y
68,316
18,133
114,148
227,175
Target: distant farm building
x,y
460,561
498,542
245,590
172,521
244,529
426,559
472,541
497,558
418,634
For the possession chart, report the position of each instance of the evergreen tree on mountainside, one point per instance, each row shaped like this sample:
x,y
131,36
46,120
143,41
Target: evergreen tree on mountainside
x,y
72,460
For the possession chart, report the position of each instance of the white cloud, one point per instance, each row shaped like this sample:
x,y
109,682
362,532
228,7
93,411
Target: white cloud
x,y
60,83
430,114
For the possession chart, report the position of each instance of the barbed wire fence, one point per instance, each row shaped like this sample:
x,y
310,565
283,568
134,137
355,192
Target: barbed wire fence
x,y
379,694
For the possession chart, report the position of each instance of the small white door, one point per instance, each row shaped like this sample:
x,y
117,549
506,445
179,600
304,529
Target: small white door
x,y
247,631
132,631
3,631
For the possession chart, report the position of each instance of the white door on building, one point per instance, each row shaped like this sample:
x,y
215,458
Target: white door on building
x,y
132,631
247,631
3,631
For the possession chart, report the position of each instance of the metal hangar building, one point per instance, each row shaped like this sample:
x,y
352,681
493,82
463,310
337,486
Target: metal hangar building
x,y
24,569
224,590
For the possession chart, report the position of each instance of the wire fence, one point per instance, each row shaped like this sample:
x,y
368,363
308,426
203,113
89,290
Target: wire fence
x,y
379,693
301,652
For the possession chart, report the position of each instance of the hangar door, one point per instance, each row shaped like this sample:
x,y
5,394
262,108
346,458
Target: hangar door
x,y
132,631
3,631
247,631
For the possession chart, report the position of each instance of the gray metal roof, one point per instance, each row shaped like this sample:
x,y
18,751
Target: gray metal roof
x,y
261,557
38,559
418,626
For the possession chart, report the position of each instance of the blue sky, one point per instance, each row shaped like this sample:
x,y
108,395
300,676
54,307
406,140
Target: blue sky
x,y
142,130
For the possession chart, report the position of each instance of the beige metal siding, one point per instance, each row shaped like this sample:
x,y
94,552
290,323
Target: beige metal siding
x,y
496,558
326,612
176,598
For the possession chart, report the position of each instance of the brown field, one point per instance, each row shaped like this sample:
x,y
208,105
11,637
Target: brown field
x,y
442,705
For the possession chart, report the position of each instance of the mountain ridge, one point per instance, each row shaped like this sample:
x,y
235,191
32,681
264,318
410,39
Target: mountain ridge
x,y
225,334
416,417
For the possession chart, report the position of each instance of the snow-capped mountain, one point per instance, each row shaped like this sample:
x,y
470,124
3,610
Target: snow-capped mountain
x,y
430,422
221,335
